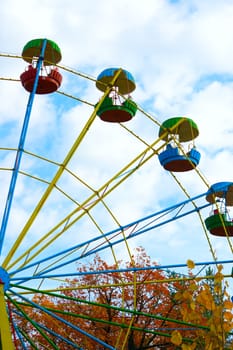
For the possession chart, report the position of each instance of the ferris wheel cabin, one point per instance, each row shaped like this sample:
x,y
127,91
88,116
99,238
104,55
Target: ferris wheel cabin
x,y
49,79
118,106
177,131
219,223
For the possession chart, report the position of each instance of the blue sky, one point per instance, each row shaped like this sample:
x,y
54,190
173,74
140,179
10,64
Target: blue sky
x,y
180,54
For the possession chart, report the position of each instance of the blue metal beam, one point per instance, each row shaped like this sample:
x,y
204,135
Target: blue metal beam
x,y
121,228
20,149
123,270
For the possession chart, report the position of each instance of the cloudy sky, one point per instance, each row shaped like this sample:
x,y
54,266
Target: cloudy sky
x,y
180,54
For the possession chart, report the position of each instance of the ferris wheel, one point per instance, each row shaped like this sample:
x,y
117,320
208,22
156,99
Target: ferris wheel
x,y
63,204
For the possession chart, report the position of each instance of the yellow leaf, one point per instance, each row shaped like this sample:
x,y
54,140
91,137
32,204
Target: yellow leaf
x,y
227,326
176,338
187,295
188,347
185,347
192,305
206,300
218,277
190,264
228,316
213,328
228,304
193,286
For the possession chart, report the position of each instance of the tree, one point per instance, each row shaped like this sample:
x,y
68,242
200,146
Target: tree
x,y
132,307
206,303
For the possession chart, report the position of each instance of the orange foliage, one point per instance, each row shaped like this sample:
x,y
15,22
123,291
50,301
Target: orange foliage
x,y
133,310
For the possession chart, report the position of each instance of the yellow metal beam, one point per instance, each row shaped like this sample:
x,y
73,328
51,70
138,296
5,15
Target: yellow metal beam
x,y
6,342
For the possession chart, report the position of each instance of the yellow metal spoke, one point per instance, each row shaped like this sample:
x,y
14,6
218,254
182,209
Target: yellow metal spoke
x,y
5,339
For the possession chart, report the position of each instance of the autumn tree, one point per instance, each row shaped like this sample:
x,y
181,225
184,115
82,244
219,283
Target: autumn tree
x,y
132,306
206,303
